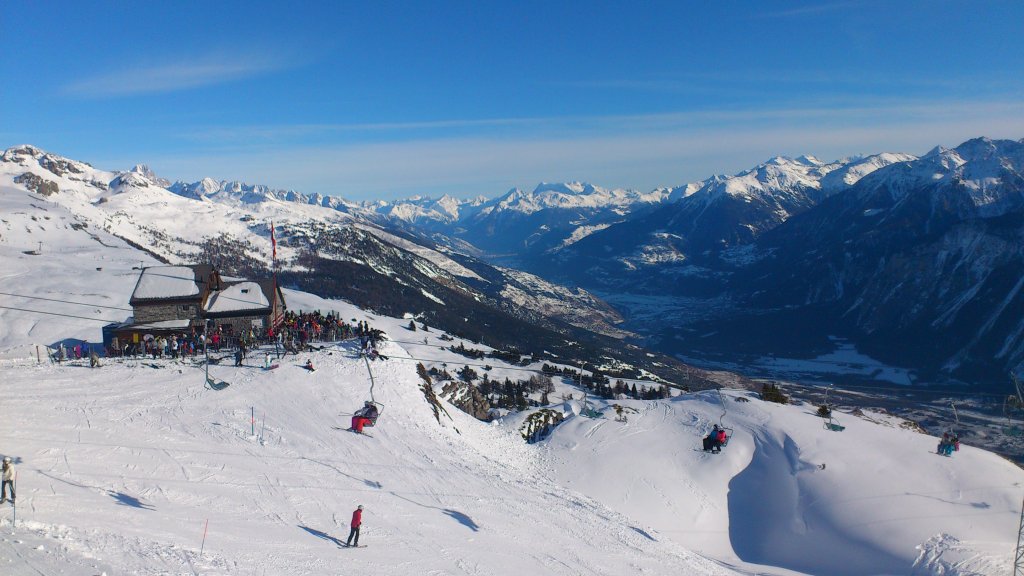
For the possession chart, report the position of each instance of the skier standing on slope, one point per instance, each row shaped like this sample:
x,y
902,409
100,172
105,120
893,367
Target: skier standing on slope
x,y
357,521
8,480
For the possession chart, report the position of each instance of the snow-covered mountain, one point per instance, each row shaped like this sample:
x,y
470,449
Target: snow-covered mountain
x,y
325,245
911,260
521,221
136,467
920,262
649,250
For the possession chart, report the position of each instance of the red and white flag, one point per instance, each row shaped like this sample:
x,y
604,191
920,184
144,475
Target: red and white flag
x,y
273,242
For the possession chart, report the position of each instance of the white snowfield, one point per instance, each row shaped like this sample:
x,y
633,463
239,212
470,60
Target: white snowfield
x,y
120,468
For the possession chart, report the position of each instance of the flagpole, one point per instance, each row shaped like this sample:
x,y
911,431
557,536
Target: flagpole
x,y
275,324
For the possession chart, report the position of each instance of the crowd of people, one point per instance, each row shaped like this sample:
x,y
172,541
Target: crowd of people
x,y
294,332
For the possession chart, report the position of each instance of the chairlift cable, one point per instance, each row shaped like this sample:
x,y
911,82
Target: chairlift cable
x,y
59,314
66,301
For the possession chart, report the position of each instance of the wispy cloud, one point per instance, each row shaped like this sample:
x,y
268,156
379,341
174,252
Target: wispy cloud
x,y
564,127
639,152
816,8
822,81
174,76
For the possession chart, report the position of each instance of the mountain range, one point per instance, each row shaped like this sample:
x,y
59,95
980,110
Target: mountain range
x,y
911,262
325,245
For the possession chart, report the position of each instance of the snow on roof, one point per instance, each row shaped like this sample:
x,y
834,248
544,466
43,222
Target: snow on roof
x,y
162,325
239,296
166,282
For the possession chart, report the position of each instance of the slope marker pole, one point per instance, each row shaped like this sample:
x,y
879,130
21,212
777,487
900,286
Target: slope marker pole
x,y
14,504
203,546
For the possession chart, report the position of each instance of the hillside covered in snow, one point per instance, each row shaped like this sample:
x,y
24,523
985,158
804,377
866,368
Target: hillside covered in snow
x,y
138,467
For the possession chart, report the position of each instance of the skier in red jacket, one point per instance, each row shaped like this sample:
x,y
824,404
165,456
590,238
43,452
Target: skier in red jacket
x,y
357,521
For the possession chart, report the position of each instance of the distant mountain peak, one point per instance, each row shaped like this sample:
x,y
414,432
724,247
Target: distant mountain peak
x,y
563,187
809,160
144,171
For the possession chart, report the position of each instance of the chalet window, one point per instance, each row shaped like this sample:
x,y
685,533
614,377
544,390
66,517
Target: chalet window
x,y
185,308
245,290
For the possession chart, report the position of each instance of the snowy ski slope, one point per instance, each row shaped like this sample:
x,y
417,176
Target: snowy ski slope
x,y
121,468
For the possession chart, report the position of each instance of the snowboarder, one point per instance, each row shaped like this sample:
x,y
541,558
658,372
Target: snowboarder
x,y
357,521
266,361
8,480
309,365
239,354
365,416
94,360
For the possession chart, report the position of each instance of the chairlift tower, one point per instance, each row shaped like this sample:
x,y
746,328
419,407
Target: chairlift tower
x,y
1018,558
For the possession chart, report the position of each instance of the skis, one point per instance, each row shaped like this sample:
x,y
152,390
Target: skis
x,y
351,430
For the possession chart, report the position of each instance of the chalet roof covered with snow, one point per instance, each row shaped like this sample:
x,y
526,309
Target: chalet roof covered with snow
x,y
171,282
238,297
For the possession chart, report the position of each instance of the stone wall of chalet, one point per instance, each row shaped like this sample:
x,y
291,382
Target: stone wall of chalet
x,y
146,313
242,324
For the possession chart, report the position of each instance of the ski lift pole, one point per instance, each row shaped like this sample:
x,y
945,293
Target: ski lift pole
x,y
721,398
14,504
206,349
372,381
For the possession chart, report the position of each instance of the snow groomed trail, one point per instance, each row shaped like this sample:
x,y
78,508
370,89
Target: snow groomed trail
x,y
121,468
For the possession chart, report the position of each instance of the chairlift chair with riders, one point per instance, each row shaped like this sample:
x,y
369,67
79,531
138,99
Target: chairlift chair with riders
x,y
950,441
721,425
832,422
378,408
1013,402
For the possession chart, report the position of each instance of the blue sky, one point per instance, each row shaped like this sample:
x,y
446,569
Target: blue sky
x,y
383,100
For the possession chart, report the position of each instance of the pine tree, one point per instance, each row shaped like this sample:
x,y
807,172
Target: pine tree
x,y
772,393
